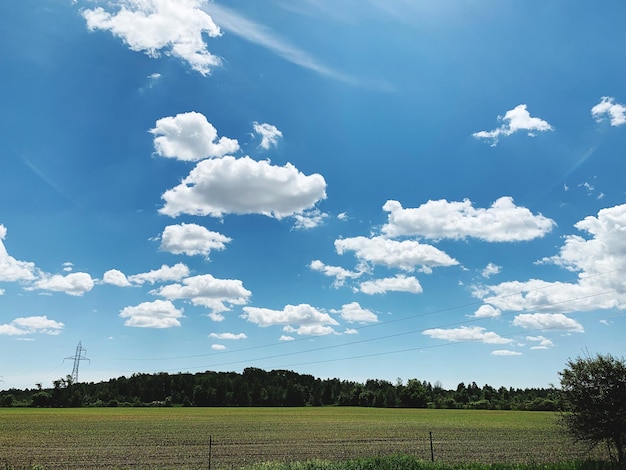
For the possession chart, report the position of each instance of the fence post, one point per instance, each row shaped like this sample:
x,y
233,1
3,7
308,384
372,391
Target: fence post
x,y
432,453
210,450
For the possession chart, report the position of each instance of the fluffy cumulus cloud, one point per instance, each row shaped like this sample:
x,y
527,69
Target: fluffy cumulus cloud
x,y
603,251
207,291
190,137
157,314
116,277
229,336
300,318
11,269
75,284
490,270
540,342
467,333
270,135
340,274
545,296
405,255
600,260
244,186
173,27
354,313
514,120
505,352
164,274
607,108
399,283
32,325
502,222
547,322
191,239
487,311
310,330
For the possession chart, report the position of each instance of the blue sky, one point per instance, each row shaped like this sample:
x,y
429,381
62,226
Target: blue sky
x,y
356,189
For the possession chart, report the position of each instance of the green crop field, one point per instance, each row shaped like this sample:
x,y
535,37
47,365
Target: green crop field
x,y
179,437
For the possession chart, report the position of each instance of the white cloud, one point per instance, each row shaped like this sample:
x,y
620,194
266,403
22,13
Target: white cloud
x,y
173,27
258,34
535,294
31,325
487,311
190,137
216,317
303,314
309,219
207,291
354,313
157,314
116,278
605,251
516,119
269,135
490,270
400,283
467,333
286,338
502,222
229,336
607,108
310,330
11,269
547,321
505,352
599,259
244,186
405,255
75,284
164,274
542,342
340,274
191,239
218,347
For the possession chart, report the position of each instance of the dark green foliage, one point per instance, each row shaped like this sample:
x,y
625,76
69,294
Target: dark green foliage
x,y
42,399
594,392
257,387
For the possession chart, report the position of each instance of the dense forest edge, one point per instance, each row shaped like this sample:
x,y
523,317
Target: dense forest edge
x,y
257,387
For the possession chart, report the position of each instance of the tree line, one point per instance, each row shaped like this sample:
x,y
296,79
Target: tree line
x,y
257,387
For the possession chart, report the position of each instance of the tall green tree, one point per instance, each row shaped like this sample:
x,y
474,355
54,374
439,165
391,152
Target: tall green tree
x,y
594,394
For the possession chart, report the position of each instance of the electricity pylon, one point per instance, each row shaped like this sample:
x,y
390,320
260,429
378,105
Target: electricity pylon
x,y
77,358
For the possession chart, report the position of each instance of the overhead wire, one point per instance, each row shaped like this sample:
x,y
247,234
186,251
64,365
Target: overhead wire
x,y
467,320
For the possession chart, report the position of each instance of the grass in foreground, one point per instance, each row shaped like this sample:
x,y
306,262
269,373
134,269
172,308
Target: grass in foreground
x,y
405,462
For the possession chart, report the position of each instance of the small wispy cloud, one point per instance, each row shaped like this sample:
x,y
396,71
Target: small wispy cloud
x,y
269,134
516,119
235,23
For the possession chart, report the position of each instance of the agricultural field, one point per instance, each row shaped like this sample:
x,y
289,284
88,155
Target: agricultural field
x,y
179,437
